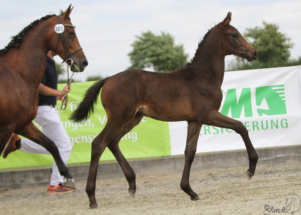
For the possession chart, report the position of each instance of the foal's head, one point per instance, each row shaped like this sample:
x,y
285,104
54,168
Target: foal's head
x,y
63,40
232,42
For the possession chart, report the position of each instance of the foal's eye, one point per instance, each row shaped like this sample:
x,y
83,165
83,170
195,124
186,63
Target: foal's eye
x,y
235,35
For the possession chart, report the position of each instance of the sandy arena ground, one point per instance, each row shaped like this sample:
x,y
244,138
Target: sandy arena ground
x,y
222,191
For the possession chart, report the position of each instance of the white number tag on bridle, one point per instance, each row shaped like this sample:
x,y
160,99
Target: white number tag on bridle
x,y
59,28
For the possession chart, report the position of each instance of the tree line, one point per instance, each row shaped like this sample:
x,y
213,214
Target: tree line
x,y
161,54
272,46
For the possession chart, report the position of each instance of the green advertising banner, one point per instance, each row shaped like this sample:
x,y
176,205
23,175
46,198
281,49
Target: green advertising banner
x,y
149,139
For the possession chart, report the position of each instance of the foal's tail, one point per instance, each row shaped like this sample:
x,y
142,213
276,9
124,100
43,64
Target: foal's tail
x,y
86,106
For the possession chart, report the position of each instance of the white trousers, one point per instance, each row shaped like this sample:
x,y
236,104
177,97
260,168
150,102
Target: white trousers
x,y
49,120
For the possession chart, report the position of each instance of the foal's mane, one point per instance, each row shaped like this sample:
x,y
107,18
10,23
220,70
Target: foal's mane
x,y
200,46
17,40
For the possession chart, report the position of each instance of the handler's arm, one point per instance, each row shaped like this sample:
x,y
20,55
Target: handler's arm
x,y
52,92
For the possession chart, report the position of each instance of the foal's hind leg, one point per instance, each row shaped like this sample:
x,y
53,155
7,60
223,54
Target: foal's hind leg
x,y
219,120
126,168
108,134
191,145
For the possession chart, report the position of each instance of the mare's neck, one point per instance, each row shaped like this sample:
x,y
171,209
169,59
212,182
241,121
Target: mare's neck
x,y
31,56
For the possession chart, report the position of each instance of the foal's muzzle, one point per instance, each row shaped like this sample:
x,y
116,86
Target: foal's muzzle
x,y
249,55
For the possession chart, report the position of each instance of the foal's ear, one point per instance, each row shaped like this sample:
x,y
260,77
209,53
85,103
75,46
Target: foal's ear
x,y
68,12
227,20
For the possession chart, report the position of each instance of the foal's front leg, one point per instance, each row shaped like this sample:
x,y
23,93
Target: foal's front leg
x,y
190,150
219,120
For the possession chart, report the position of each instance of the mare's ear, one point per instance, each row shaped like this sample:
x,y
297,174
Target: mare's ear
x,y
67,13
227,20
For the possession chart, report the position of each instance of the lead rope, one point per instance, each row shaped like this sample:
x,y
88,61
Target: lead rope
x,y
65,97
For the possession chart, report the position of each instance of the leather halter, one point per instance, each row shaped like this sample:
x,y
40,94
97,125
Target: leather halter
x,y
67,53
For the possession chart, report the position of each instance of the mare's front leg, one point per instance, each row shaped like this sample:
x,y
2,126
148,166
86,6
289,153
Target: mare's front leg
x,y
5,134
31,132
217,119
190,150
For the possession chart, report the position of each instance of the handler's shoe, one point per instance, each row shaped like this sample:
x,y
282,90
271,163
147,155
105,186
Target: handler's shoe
x,y
58,189
11,145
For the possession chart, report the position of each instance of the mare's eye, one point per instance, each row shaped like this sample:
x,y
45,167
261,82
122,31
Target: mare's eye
x,y
72,33
235,35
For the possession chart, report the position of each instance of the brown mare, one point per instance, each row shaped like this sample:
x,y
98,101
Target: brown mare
x,y
191,94
22,66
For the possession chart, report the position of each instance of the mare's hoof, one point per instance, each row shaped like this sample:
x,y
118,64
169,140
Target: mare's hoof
x,y
69,183
249,175
196,199
132,193
93,206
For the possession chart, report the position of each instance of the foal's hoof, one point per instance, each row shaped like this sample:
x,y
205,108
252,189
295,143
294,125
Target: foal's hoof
x,y
249,175
132,193
93,206
196,199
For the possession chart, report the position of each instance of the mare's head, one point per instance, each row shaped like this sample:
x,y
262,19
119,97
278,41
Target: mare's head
x,y
63,41
232,42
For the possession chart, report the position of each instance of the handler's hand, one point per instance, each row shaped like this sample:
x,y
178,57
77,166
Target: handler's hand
x,y
65,90
59,97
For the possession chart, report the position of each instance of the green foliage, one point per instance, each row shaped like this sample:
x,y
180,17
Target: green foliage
x,y
65,81
94,78
294,62
158,52
272,46
60,69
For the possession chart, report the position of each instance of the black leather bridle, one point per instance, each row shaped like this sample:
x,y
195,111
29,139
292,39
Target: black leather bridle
x,y
61,35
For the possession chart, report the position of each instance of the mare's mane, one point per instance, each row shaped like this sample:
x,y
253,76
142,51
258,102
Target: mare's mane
x,y
17,40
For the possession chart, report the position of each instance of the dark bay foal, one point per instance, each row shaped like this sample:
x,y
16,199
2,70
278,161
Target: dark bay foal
x,y
191,94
